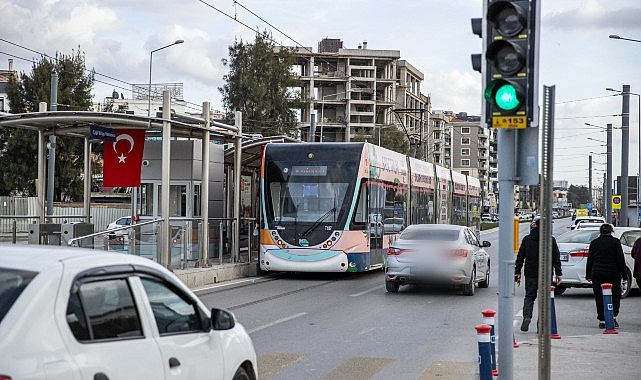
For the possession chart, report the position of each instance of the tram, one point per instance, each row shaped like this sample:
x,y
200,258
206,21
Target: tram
x,y
336,207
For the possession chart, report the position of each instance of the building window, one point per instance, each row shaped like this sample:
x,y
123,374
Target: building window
x,y
465,152
1,104
465,172
465,141
465,130
465,163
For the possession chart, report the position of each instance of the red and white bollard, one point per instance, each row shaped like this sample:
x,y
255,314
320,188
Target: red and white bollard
x,y
607,309
553,329
488,319
485,356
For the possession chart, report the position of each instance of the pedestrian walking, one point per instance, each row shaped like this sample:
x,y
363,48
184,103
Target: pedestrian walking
x,y
606,264
636,255
528,259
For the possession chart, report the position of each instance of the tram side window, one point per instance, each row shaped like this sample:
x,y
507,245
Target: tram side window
x,y
360,214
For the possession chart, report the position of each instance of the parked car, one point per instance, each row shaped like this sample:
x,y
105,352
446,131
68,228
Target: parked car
x,y
71,313
526,217
487,217
574,245
438,254
586,219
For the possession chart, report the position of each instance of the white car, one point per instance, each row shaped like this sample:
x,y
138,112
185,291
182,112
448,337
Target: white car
x,y
574,245
586,219
69,313
438,254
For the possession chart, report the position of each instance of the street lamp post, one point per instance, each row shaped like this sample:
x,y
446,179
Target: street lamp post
x,y
608,187
617,37
638,198
151,58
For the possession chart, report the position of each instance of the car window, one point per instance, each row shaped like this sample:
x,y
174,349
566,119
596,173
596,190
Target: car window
x,y
578,236
173,314
12,283
102,310
471,238
629,237
123,221
431,234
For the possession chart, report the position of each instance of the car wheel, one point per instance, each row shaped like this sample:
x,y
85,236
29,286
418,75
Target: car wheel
x,y
625,290
392,286
559,289
241,374
468,289
486,282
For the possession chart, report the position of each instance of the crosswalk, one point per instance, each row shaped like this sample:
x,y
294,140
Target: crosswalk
x,y
271,365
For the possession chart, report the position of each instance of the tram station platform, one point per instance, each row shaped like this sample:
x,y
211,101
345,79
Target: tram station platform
x,y
200,277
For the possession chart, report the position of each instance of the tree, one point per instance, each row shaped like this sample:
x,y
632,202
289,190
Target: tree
x,y
578,195
25,93
260,84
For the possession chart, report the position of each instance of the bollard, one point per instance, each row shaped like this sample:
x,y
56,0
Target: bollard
x,y
485,357
488,319
553,329
514,343
607,309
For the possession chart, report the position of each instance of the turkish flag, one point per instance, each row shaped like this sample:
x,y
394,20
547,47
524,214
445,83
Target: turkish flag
x,y
123,158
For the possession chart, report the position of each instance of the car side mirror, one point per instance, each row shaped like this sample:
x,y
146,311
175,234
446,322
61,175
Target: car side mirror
x,y
486,244
222,319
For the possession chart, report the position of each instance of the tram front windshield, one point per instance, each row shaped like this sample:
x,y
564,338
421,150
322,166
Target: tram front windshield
x,y
308,194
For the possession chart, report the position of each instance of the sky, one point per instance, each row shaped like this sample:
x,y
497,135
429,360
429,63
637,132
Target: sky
x,y
576,55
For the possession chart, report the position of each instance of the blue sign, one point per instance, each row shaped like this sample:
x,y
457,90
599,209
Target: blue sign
x,y
102,133
589,206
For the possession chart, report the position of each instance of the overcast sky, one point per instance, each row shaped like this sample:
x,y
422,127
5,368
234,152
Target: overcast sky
x,y
435,36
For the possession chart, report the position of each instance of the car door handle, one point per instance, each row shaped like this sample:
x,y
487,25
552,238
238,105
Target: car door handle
x,y
173,362
100,376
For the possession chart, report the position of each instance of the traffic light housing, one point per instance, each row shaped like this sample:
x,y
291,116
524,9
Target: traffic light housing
x,y
510,76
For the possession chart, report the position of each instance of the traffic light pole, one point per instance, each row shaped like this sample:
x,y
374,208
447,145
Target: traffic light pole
x,y
507,157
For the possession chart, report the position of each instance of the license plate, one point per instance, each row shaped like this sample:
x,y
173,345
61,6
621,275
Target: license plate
x,y
511,122
565,257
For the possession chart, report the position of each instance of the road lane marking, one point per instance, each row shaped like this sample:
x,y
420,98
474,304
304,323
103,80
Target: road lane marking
x,y
367,331
358,368
270,365
276,322
225,284
366,291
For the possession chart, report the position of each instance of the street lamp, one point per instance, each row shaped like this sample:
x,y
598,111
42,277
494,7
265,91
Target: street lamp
x,y
638,199
151,58
617,37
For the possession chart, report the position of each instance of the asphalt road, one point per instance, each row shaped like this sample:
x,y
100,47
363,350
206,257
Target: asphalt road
x,y
346,326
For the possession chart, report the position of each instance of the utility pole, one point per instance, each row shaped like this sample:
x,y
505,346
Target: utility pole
x,y
608,187
625,148
51,163
590,181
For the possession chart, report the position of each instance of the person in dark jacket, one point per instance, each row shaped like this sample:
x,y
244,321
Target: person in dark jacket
x,y
636,255
529,256
606,264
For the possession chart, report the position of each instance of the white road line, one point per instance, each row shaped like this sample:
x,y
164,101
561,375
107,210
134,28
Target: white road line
x,y
366,291
224,284
276,322
367,331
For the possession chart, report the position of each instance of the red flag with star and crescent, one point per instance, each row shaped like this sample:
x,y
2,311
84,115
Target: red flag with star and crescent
x,y
123,158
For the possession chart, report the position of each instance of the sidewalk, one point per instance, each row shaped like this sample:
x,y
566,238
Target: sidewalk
x,y
587,357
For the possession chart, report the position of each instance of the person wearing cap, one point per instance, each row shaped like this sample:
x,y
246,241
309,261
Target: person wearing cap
x,y
606,264
528,258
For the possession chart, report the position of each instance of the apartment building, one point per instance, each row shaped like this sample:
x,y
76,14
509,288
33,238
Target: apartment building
x,y
4,79
461,142
352,91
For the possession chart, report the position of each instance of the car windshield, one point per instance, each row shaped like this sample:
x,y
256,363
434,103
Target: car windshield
x,y
430,235
12,283
578,236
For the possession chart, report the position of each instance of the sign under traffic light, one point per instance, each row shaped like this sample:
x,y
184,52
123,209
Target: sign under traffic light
x,y
511,63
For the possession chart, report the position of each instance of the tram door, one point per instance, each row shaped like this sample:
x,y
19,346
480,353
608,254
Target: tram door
x,y
376,231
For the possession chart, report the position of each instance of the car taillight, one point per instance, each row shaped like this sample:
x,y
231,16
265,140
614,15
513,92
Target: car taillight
x,y
583,252
391,251
458,252
5,377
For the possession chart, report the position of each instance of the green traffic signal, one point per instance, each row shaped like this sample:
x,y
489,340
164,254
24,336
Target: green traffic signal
x,y
506,97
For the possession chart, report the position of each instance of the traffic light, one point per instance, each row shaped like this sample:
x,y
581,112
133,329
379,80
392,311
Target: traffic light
x,y
510,76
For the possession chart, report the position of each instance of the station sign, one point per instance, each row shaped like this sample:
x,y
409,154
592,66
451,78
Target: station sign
x,y
102,133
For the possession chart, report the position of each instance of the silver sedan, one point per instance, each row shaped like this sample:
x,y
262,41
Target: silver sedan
x,y
438,254
574,245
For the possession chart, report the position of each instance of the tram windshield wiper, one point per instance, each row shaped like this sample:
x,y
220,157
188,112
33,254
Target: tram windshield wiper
x,y
319,221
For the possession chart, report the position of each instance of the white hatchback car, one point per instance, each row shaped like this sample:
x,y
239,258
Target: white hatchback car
x,y
69,313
